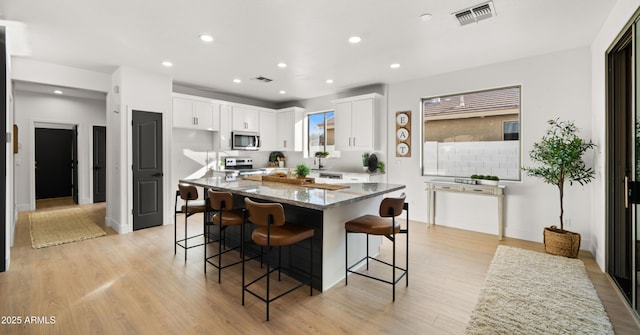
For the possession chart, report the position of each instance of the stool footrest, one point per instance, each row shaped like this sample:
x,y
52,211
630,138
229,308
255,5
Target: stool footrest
x,y
180,242
395,280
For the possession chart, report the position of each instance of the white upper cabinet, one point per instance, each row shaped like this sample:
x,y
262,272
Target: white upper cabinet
x,y
223,140
290,129
245,119
267,131
194,113
356,122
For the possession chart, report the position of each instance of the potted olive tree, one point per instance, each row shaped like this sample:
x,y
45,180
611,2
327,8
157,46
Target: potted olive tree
x,y
560,153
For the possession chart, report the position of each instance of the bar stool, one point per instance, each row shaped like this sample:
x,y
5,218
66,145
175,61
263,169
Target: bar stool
x,y
191,206
221,203
273,231
383,225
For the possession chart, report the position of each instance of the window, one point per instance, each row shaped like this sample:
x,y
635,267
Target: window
x,y
472,133
511,130
321,132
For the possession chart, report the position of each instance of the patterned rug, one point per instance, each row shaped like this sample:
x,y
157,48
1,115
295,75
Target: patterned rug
x,y
61,226
528,292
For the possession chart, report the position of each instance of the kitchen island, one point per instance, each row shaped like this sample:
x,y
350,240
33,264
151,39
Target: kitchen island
x,y
325,211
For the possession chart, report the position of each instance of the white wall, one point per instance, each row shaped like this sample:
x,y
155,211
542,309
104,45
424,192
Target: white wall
x,y
32,108
29,70
11,215
144,91
190,151
618,18
553,85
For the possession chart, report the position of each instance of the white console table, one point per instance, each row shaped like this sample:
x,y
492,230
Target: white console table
x,y
447,186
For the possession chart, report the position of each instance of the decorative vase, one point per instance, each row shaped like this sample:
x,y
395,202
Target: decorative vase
x,y
561,242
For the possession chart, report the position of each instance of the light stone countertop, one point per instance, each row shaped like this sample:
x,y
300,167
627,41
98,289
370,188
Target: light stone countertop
x,y
301,196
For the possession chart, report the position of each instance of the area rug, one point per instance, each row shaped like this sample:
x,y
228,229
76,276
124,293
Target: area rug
x,y
528,292
61,226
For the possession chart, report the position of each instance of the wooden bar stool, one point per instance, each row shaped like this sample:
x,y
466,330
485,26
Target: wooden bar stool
x,y
383,225
273,231
191,206
221,204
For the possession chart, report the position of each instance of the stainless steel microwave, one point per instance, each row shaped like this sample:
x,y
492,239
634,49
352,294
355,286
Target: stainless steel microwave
x,y
242,140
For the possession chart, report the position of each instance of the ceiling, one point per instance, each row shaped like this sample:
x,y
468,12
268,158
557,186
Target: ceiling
x,y
252,36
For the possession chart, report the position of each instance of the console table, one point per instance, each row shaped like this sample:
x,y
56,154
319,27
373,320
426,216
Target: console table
x,y
434,186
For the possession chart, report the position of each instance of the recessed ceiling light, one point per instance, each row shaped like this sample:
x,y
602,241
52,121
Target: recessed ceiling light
x,y
57,92
355,39
282,65
206,38
425,17
394,65
167,63
329,81
237,81
283,92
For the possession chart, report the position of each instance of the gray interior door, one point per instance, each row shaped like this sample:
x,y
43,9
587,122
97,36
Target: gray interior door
x,y
54,163
99,163
74,164
147,169
3,150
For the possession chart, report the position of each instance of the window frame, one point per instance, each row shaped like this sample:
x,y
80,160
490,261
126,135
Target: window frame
x,y
442,96
308,152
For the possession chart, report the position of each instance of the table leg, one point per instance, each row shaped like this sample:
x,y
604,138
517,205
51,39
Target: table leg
x,y
500,216
431,206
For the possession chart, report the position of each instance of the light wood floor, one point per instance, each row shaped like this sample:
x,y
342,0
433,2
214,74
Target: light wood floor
x,y
133,284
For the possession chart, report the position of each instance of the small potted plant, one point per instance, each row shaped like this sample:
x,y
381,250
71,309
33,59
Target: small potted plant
x,y
365,161
322,154
560,154
486,180
302,170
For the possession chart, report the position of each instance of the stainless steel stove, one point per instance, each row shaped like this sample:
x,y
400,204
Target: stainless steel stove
x,y
242,166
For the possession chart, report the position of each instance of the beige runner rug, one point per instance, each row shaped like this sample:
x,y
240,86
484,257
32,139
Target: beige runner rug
x,y
528,292
60,226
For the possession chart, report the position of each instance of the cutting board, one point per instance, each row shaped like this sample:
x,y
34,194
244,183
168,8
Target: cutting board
x,y
307,182
331,187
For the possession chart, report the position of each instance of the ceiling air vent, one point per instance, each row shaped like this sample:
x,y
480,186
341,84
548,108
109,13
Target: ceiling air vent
x,y
475,13
263,79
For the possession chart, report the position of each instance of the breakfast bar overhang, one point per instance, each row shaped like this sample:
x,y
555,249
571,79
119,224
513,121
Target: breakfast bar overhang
x,y
324,210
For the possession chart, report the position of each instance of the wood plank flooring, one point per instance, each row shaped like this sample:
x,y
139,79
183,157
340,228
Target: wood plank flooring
x,y
133,284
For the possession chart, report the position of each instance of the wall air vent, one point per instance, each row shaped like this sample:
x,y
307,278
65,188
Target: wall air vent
x,y
263,79
475,13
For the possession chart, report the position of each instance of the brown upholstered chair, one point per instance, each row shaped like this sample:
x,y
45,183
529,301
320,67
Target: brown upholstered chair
x,y
273,231
224,215
192,205
386,225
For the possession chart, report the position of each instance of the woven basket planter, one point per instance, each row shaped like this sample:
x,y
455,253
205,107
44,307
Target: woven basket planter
x,y
561,243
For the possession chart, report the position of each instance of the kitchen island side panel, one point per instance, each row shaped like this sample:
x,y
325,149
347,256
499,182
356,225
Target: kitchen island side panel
x,y
333,241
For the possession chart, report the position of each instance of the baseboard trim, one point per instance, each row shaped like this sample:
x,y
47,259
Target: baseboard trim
x,y
119,228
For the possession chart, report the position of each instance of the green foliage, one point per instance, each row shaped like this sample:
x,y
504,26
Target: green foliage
x,y
302,170
479,176
560,154
322,153
365,159
380,167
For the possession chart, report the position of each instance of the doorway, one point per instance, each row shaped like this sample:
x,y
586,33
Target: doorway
x,y
147,169
99,163
623,191
56,163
